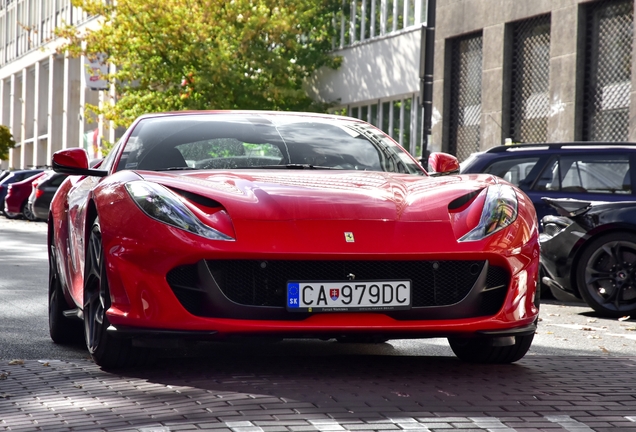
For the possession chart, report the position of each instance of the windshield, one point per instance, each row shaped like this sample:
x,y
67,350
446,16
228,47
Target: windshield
x,y
264,141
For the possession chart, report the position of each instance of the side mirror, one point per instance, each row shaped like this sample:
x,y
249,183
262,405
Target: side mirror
x,y
74,162
443,164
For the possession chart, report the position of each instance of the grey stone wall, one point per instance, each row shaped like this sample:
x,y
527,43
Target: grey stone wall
x,y
459,17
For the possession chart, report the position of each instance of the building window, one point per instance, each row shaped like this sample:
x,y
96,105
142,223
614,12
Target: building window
x,y
400,118
608,60
465,95
530,80
25,25
360,20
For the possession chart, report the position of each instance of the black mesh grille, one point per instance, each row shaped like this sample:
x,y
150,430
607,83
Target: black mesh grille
x,y
492,300
263,283
184,282
465,95
530,80
608,70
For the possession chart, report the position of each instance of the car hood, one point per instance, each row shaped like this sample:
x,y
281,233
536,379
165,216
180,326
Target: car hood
x,y
326,195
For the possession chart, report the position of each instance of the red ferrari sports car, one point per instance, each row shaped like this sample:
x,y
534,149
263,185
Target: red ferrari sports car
x,y
215,225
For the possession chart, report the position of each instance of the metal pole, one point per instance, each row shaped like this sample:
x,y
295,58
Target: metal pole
x,y
427,53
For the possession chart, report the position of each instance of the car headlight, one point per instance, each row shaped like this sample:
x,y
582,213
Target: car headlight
x,y
163,205
498,212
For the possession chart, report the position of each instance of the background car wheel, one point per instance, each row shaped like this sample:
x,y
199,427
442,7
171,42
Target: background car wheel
x,y
27,212
606,274
10,215
105,350
481,350
62,330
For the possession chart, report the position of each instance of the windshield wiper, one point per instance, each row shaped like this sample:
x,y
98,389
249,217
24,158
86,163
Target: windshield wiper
x,y
178,168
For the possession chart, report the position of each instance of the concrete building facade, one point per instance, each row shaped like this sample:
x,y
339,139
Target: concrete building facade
x,y
379,80
524,70
551,70
42,92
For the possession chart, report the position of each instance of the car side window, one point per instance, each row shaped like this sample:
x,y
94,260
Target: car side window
x,y
514,171
601,173
57,180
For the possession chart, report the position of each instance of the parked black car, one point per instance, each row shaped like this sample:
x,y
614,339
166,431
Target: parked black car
x,y
42,194
589,250
590,171
13,177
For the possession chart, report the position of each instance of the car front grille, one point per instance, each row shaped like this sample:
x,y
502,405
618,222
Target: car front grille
x,y
263,283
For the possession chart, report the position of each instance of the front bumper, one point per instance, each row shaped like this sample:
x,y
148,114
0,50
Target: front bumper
x,y
560,239
168,281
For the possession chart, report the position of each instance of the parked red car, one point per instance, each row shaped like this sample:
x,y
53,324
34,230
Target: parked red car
x,y
16,201
217,225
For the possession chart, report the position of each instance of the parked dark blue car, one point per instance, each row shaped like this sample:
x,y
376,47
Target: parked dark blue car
x,y
590,171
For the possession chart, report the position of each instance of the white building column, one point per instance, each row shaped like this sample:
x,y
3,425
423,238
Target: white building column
x,y
40,123
3,163
23,110
28,108
14,154
71,103
55,106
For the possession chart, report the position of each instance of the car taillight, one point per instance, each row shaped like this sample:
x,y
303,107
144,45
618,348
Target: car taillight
x,y
39,193
9,190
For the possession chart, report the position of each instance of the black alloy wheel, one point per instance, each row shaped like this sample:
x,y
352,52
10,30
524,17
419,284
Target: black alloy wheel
x,y
105,350
482,349
27,212
62,330
606,274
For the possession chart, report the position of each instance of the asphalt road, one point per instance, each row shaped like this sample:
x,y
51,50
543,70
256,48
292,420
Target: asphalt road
x,y
565,328
577,377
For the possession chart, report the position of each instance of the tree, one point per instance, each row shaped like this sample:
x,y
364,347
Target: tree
x,y
6,142
175,55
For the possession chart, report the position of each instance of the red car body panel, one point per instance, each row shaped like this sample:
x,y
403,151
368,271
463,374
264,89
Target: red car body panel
x,y
19,192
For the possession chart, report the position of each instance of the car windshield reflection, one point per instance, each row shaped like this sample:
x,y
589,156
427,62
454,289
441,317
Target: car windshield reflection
x,y
259,141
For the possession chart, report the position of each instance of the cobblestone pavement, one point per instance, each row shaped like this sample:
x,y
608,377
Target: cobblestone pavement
x,y
267,393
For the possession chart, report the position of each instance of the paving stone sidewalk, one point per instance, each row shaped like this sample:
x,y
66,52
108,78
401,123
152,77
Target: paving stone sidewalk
x,y
340,393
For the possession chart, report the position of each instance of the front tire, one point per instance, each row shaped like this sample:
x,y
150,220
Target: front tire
x,y
62,330
606,274
482,350
105,350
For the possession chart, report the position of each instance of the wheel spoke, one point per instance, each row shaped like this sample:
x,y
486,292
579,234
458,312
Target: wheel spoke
x,y
593,275
611,249
95,292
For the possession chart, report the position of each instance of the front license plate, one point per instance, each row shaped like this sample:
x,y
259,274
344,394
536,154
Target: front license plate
x,y
324,296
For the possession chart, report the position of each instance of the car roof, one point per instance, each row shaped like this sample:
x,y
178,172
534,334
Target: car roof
x,y
251,113
573,145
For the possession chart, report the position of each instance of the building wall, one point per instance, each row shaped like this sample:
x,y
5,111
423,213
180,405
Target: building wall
x,y
42,92
372,70
379,78
459,17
